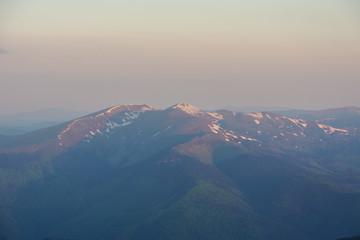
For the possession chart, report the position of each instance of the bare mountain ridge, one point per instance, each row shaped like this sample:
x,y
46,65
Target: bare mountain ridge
x,y
262,129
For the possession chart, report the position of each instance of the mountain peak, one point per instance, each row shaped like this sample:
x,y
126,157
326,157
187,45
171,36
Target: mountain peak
x,y
128,107
187,108
102,121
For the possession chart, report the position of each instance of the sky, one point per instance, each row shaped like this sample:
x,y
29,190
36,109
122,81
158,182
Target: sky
x,y
89,55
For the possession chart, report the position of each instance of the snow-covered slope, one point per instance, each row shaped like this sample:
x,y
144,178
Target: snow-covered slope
x,y
101,123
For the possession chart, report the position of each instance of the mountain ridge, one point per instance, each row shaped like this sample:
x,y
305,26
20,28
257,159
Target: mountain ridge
x,y
234,127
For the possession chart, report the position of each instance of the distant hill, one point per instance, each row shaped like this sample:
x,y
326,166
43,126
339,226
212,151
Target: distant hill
x,y
337,117
343,112
256,109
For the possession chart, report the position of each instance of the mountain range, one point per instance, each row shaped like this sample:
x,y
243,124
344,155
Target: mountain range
x,y
136,172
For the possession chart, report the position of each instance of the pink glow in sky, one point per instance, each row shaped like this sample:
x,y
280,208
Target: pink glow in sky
x,y
93,54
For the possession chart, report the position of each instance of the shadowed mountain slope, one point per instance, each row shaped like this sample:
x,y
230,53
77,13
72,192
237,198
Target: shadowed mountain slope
x,y
135,172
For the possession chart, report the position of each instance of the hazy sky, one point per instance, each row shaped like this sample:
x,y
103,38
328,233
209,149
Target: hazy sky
x,y
91,54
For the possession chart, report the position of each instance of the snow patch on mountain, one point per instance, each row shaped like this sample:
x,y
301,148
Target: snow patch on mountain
x,y
129,107
161,131
299,122
255,115
329,130
112,125
228,135
214,128
87,127
187,108
249,139
131,115
196,112
216,115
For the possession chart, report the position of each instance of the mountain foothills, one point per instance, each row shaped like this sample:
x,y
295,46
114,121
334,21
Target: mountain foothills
x,y
135,172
